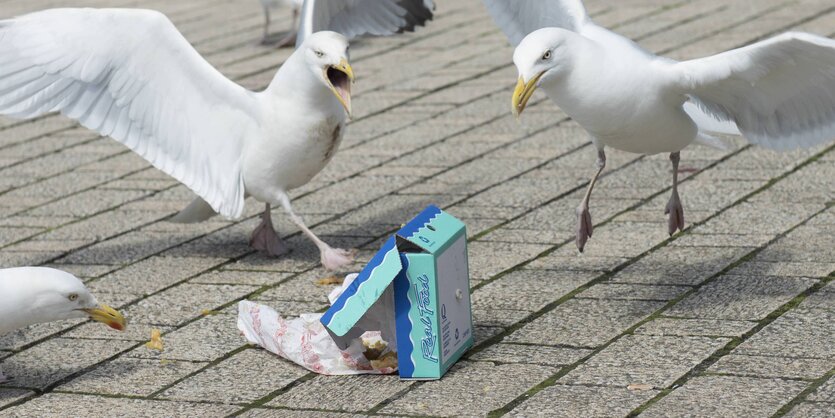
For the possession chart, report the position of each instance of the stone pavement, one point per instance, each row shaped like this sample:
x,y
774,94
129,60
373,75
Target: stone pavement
x,y
734,316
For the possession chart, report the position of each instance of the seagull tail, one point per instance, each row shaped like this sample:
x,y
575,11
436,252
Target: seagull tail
x,y
712,141
197,211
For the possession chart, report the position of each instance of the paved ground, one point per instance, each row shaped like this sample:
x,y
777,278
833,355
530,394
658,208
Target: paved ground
x,y
734,316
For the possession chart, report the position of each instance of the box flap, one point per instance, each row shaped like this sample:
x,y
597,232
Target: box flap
x,y
432,230
364,290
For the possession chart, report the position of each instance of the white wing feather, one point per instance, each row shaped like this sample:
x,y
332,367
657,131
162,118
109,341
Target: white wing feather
x,y
354,18
518,18
130,75
780,92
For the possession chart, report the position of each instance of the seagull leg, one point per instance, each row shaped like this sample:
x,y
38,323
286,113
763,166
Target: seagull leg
x,y
674,209
290,38
584,226
265,239
332,258
265,40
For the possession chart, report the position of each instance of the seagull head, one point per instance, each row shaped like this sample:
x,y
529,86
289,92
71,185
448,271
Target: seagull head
x,y
541,57
53,295
326,54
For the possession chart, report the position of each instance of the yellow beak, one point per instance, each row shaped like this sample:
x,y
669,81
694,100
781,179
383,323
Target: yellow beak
x,y
523,92
342,91
108,316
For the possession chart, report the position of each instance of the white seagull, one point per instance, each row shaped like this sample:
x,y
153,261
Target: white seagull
x,y
129,74
34,295
351,18
778,93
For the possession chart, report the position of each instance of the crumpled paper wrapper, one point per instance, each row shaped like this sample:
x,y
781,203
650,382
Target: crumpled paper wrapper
x,y
306,342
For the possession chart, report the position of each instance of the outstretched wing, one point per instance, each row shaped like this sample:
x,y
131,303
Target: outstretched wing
x,y
130,75
354,18
518,18
780,92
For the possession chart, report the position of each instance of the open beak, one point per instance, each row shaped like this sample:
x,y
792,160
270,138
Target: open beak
x,y
340,77
523,92
107,316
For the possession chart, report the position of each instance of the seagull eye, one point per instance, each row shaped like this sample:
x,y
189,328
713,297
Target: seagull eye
x,y
546,55
319,54
73,297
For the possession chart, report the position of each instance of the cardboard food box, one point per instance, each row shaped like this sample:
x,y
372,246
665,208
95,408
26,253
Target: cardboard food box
x,y
423,268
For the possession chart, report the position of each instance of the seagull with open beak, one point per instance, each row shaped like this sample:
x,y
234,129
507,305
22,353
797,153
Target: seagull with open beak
x,y
34,295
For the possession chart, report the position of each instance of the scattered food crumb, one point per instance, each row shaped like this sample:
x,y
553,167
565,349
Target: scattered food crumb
x,y
639,387
386,361
330,280
156,340
207,312
373,350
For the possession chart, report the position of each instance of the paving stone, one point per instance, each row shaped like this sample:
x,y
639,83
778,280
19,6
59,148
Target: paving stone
x,y
633,291
696,327
825,393
345,393
485,264
258,278
584,322
245,377
782,269
528,289
470,389
206,339
53,360
530,354
17,339
152,275
289,413
9,396
179,304
797,333
697,239
131,377
646,360
587,401
679,265
486,316
772,366
740,297
761,397
86,405
811,410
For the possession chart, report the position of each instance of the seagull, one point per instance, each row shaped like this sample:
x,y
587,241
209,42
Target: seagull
x,y
269,5
34,295
129,74
778,93
351,18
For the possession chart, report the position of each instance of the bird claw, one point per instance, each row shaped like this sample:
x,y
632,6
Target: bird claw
x,y
675,212
266,240
334,258
584,227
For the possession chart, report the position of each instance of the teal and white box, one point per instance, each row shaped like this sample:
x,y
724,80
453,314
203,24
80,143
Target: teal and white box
x,y
423,268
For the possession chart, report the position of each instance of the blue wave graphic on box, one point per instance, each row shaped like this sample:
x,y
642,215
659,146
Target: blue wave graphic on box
x,y
354,287
419,222
403,321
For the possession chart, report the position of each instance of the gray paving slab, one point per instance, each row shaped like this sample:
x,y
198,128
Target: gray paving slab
x,y
435,128
588,401
762,397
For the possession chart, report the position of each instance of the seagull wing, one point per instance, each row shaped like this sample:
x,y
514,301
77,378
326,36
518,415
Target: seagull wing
x,y
780,92
130,75
518,18
354,18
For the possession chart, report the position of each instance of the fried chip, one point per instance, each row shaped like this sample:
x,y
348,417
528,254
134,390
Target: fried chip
x,y
386,361
330,280
156,340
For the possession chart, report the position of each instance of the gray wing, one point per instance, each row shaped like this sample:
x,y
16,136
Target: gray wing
x,y
518,18
354,18
779,92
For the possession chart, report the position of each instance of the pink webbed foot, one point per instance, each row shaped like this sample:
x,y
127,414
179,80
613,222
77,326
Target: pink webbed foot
x,y
266,240
675,220
584,227
335,258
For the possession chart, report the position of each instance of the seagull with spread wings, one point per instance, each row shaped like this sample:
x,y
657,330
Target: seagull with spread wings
x,y
129,74
35,295
778,93
364,17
